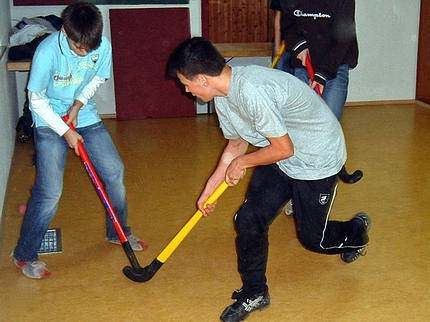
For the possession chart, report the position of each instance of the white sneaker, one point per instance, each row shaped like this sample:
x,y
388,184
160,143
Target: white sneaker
x,y
135,243
36,269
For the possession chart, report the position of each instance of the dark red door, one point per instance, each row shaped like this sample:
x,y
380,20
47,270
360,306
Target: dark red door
x,y
142,40
423,70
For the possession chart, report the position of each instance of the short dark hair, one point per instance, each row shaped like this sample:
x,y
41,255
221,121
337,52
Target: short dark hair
x,y
83,24
195,56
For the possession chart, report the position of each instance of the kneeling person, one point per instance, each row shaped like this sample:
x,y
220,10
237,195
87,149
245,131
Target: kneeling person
x,y
302,150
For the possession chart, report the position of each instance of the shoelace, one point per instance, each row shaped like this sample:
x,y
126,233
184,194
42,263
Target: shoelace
x,y
359,252
362,251
250,304
38,264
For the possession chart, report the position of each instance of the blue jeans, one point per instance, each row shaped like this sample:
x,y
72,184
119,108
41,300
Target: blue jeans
x,y
51,154
335,90
284,63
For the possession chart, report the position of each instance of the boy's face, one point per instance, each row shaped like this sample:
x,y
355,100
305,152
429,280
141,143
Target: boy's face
x,y
198,86
77,48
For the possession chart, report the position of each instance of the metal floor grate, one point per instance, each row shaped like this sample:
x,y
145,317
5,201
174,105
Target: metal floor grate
x,y
51,242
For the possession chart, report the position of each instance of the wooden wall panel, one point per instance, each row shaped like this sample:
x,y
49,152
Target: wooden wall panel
x,y
239,21
423,65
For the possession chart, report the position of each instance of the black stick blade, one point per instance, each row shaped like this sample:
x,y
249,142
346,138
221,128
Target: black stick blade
x,y
142,274
350,178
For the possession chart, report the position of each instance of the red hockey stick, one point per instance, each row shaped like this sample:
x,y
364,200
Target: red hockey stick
x,y
135,271
312,73
343,174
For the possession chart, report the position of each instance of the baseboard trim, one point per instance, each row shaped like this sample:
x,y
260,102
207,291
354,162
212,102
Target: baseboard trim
x,y
387,102
421,103
108,116
348,104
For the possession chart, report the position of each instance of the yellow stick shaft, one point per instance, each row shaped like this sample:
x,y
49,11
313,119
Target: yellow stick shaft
x,y
281,51
174,243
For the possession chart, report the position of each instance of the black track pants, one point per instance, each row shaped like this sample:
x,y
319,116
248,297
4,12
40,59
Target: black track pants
x,y
269,190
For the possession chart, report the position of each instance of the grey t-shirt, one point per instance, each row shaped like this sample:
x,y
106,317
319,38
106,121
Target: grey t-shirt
x,y
264,103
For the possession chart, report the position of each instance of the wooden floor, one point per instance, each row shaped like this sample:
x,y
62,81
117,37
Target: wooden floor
x,y
167,162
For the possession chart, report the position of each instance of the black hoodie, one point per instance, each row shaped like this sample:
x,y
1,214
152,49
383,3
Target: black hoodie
x,y
326,28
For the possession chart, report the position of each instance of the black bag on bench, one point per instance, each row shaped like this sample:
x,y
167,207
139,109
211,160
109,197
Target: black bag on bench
x,y
26,51
24,129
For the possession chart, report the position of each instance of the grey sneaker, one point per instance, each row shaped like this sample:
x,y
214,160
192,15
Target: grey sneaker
x,y
244,305
350,257
36,269
135,243
289,208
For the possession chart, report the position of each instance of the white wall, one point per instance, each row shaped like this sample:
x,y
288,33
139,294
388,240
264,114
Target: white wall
x,y
387,33
8,105
235,61
105,96
4,22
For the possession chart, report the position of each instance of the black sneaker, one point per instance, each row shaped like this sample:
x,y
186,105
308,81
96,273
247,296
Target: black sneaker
x,y
244,305
349,257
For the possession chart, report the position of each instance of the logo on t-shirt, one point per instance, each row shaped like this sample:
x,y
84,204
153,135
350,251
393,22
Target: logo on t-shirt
x,y
300,13
95,57
59,78
324,198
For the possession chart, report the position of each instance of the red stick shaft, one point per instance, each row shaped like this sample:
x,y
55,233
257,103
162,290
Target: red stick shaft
x,y
312,73
99,187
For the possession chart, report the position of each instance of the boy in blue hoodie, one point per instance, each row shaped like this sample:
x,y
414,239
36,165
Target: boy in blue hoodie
x,y
67,69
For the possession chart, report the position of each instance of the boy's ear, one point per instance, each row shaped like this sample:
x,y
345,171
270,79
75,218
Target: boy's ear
x,y
203,80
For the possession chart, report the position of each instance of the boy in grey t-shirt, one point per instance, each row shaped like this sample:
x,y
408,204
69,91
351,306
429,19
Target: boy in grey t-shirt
x,y
281,106
302,151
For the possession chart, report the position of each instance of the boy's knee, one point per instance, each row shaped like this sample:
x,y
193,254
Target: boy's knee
x,y
118,170
48,190
248,222
114,172
244,219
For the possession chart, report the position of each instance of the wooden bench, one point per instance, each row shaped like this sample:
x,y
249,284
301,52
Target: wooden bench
x,y
258,49
18,66
255,49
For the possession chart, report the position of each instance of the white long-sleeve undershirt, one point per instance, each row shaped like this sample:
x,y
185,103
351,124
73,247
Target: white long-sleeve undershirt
x,y
89,90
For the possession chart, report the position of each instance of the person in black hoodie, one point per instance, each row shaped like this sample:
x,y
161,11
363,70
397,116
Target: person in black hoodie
x,y
324,30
